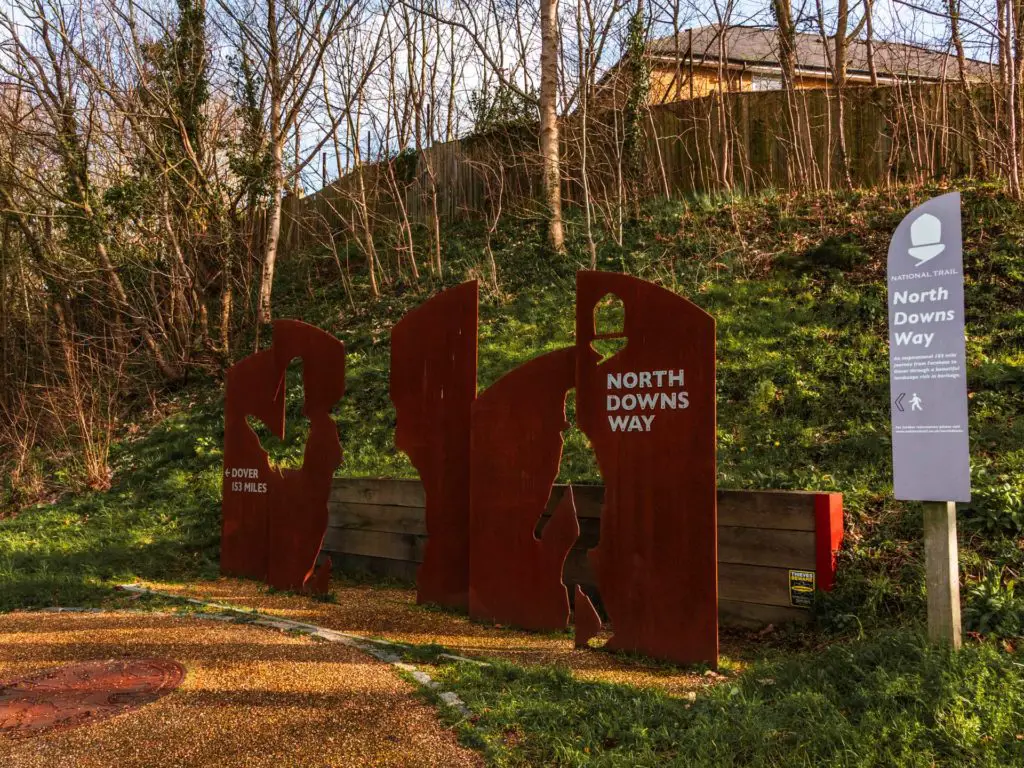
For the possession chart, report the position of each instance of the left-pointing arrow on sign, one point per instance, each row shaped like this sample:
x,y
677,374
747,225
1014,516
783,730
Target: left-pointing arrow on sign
x,y
899,402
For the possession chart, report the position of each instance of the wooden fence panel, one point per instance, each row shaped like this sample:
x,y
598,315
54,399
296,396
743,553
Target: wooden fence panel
x,y
909,132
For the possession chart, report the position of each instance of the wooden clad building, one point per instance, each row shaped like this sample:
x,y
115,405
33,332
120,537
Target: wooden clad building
x,y
698,62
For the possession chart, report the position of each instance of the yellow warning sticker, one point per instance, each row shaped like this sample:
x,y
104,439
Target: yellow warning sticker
x,y
801,588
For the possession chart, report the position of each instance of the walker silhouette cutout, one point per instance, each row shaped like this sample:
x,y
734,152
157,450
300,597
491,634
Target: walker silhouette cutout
x,y
433,385
274,520
515,577
657,560
646,401
645,392
915,403
482,506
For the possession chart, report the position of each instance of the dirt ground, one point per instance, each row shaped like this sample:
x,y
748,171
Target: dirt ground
x,y
251,697
391,613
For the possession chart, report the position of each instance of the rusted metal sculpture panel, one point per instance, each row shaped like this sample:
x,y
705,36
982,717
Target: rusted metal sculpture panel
x,y
79,694
649,412
254,388
299,522
515,577
433,386
275,520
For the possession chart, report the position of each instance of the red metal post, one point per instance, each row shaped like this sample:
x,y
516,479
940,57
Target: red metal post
x,y
828,537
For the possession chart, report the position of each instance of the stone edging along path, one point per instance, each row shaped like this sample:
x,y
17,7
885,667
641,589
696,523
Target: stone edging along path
x,y
383,650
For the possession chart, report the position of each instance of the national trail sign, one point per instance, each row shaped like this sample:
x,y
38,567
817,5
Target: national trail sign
x,y
927,365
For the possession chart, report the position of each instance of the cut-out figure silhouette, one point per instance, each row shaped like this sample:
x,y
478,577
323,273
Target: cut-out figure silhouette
x,y
274,520
433,385
516,578
649,412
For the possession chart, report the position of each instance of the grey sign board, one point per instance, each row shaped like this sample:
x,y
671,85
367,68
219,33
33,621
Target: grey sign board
x,y
927,357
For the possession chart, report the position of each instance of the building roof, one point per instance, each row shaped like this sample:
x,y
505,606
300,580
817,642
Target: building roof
x,y
759,47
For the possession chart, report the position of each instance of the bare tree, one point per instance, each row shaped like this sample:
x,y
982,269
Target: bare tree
x,y
50,57
480,26
837,55
285,42
549,148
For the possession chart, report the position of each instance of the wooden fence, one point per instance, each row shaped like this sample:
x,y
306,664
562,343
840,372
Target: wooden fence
x,y
737,142
378,526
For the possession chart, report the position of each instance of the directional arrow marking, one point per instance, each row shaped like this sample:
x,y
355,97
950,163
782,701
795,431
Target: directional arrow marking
x,y
899,401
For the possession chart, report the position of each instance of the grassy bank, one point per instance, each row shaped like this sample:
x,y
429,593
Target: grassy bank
x,y
797,288
892,701
796,285
161,520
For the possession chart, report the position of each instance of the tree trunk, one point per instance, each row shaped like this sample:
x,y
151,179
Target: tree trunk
x,y
724,128
842,22
783,12
273,235
277,139
869,43
584,79
1017,7
549,122
1013,161
953,6
435,223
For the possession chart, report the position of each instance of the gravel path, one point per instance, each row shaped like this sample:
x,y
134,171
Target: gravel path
x,y
391,613
251,697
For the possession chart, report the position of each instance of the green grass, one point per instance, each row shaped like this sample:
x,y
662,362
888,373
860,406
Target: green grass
x,y
890,701
797,287
161,520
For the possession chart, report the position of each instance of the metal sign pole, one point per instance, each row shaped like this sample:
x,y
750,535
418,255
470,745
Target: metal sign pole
x,y
928,386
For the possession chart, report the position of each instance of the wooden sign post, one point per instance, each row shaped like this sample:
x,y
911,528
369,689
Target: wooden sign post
x,y
928,388
942,573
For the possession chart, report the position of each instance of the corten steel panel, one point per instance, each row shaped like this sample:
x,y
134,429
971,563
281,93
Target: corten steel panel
x,y
253,389
656,563
433,385
275,520
514,577
299,521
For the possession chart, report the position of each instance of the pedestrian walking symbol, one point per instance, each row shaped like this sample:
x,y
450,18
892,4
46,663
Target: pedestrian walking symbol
x,y
915,403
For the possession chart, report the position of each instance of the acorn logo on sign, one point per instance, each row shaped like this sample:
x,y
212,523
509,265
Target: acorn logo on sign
x,y
926,238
